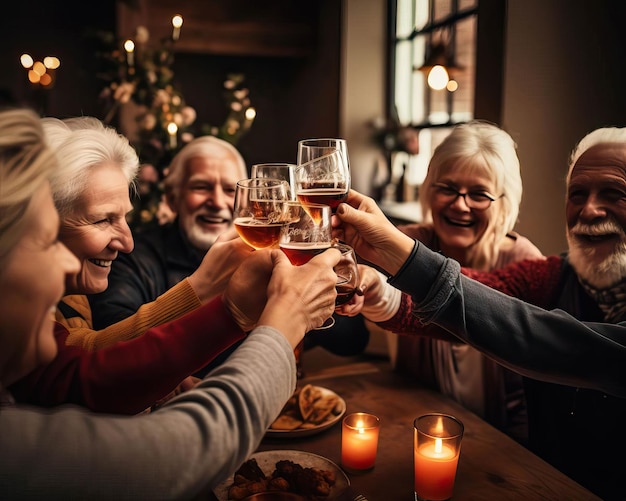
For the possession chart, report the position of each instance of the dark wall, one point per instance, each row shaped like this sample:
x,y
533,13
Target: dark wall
x,y
295,97
42,28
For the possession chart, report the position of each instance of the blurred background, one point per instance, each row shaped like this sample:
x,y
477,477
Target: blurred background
x,y
547,71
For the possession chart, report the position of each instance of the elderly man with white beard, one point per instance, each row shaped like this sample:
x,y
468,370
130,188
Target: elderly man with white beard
x,y
564,329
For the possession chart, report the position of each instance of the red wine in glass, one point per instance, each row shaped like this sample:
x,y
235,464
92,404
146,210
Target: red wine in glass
x,y
345,292
301,252
322,193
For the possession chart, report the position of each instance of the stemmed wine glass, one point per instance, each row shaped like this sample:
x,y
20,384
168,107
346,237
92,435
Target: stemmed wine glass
x,y
277,170
347,274
259,210
308,233
308,149
323,172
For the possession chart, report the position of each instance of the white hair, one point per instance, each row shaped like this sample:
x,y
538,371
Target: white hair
x,y
80,144
204,146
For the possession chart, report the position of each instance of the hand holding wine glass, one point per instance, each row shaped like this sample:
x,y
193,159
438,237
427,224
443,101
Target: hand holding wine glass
x,y
259,211
308,233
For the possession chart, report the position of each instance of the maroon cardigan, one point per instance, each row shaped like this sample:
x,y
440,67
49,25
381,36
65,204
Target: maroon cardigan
x,y
130,376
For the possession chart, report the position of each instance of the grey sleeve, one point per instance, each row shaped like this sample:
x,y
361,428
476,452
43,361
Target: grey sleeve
x,y
550,346
190,444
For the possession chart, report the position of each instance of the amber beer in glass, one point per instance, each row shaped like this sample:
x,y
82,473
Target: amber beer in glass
x,y
259,211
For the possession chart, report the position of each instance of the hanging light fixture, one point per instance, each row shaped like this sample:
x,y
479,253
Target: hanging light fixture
x,y
439,64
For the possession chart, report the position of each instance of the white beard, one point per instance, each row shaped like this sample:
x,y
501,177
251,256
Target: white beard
x,y
598,272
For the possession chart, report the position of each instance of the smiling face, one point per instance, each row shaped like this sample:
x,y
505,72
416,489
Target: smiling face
x,y
596,214
96,230
207,198
32,283
457,226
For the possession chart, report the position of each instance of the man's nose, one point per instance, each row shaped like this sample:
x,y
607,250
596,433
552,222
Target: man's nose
x,y
216,197
593,209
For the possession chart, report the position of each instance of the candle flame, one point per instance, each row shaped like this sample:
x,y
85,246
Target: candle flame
x,y
438,446
360,426
177,21
129,45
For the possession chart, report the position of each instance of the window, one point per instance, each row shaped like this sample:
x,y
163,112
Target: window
x,y
416,28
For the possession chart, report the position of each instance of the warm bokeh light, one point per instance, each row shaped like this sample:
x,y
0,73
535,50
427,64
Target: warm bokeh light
x,y
39,68
172,128
129,45
250,114
452,85
177,21
46,79
51,62
33,77
26,60
438,78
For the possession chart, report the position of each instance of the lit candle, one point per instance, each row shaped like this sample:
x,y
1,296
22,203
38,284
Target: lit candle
x,y
172,129
129,47
177,22
250,115
437,443
359,441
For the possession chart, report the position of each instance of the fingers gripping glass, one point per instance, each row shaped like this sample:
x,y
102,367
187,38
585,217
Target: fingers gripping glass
x,y
478,200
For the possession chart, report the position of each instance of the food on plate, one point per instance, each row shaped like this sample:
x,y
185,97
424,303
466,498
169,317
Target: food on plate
x,y
287,477
307,408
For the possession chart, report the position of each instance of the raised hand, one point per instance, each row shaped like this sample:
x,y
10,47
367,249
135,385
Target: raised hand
x,y
362,224
219,264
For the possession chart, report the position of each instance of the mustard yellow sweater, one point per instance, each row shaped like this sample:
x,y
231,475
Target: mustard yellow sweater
x,y
174,303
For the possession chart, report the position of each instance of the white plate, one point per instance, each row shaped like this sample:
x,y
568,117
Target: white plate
x,y
267,462
330,420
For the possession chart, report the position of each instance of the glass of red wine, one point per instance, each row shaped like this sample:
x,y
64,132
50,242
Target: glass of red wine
x,y
323,172
307,233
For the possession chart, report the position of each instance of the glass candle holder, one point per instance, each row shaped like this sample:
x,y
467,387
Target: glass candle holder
x,y
359,441
436,447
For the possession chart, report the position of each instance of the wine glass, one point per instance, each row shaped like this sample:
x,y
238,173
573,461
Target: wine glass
x,y
259,210
324,179
347,274
308,149
307,233
284,171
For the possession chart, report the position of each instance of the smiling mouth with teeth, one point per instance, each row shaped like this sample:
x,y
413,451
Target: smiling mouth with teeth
x,y
463,224
212,220
101,263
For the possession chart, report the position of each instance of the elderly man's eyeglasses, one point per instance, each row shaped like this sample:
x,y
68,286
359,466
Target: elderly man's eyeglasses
x,y
478,200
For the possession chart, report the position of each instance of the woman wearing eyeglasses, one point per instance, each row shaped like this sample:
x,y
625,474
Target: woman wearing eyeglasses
x,y
470,200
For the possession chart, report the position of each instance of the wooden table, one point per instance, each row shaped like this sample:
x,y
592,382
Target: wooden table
x,y
491,466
